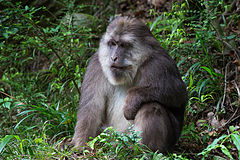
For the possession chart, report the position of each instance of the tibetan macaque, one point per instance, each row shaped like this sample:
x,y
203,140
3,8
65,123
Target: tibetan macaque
x,y
132,80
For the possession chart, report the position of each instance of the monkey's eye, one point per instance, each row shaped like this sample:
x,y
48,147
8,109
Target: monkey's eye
x,y
112,43
125,45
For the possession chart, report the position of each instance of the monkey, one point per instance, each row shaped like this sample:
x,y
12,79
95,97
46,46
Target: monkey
x,y
132,80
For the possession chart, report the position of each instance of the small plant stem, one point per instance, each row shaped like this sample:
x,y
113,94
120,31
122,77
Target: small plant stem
x,y
11,97
225,84
54,50
56,53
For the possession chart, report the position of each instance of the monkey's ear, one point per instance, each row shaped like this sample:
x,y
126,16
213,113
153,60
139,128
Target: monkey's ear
x,y
152,43
114,17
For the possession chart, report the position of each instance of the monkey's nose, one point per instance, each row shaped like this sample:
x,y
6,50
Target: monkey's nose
x,y
114,59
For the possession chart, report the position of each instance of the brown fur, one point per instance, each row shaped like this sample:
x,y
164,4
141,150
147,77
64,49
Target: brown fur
x,y
153,98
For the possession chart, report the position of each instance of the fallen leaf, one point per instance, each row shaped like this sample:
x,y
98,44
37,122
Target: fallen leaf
x,y
212,133
215,123
222,122
236,62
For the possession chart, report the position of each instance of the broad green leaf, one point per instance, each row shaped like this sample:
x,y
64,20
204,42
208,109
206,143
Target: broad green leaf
x,y
225,151
218,139
232,128
154,23
208,70
218,158
231,36
92,142
212,146
236,141
6,139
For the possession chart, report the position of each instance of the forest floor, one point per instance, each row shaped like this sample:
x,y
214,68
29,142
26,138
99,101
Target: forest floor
x,y
207,116
45,57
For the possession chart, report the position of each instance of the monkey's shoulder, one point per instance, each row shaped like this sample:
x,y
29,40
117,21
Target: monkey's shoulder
x,y
93,62
94,68
160,64
164,59
94,74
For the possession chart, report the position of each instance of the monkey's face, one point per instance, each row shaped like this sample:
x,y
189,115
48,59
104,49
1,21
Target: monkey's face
x,y
123,49
116,58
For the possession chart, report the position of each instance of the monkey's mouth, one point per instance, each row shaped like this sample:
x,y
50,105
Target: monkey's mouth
x,y
119,68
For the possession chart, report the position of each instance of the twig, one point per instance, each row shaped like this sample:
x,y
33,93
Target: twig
x,y
238,91
225,84
54,50
11,97
235,82
235,118
237,52
235,49
231,119
236,86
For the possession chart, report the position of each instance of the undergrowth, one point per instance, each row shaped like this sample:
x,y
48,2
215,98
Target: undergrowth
x,y
43,60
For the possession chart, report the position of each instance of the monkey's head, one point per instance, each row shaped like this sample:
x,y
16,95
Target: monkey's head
x,y
125,46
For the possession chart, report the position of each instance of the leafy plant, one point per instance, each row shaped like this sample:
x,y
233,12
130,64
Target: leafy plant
x,y
44,57
221,143
30,147
111,144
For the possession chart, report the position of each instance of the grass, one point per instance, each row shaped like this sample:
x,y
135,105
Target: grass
x,y
42,68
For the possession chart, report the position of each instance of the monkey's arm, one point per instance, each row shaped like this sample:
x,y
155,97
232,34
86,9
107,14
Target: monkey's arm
x,y
92,103
160,82
88,123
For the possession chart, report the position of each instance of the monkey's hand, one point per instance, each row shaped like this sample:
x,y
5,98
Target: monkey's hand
x,y
130,108
129,112
135,97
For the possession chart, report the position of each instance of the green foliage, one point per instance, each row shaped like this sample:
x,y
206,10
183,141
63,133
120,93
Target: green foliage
x,y
221,143
43,60
111,144
30,147
42,67
186,38
193,32
45,69
192,38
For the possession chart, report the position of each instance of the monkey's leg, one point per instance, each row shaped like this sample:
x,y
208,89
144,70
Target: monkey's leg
x,y
160,129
